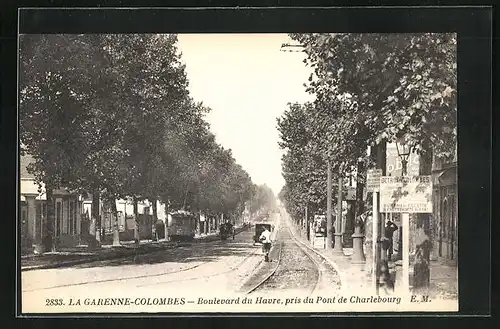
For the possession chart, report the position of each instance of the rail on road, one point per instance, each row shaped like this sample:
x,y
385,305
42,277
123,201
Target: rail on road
x,y
315,272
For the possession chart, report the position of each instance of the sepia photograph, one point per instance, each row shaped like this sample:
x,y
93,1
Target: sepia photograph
x,y
264,172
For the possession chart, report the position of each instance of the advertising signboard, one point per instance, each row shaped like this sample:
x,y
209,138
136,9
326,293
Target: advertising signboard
x,y
394,165
407,194
373,180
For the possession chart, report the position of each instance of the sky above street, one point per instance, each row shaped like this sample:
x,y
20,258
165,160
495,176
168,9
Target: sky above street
x,y
247,82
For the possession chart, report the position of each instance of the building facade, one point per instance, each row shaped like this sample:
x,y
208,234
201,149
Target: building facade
x,y
33,212
73,223
445,211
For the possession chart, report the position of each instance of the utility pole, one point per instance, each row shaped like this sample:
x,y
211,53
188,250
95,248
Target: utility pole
x,y
329,217
377,153
375,240
338,248
405,226
381,153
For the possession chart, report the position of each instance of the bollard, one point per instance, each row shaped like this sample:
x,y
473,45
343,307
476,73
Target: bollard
x,y
358,256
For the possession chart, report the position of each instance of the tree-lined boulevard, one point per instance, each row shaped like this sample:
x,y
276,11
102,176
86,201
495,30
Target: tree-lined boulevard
x,y
111,117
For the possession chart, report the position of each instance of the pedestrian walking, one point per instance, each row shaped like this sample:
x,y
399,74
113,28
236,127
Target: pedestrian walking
x,y
265,238
390,228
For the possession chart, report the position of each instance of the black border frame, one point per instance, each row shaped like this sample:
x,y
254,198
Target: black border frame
x,y
474,28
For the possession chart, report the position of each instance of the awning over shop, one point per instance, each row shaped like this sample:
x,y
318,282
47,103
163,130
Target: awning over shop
x,y
446,176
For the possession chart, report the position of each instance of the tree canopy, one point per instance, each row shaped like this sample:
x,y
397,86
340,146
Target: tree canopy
x,y
369,89
384,87
112,114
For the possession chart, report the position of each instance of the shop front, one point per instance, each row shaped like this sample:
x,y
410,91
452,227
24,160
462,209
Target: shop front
x,y
445,214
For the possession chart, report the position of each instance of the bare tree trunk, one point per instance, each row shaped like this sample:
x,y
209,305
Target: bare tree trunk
x,y
116,231
185,198
96,217
48,240
360,185
360,205
166,220
155,217
338,247
198,223
329,211
137,237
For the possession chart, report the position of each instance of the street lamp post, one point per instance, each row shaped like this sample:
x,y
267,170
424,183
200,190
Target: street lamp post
x,y
337,246
404,152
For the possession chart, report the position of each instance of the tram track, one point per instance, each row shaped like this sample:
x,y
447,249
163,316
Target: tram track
x,y
325,277
211,275
269,275
291,271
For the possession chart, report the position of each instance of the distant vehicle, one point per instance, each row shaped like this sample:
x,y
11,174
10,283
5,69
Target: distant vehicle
x,y
226,230
183,226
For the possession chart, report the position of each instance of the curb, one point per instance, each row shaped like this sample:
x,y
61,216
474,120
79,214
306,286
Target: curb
x,y
344,282
343,279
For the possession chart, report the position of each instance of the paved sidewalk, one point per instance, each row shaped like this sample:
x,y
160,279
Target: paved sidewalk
x,y
358,277
79,255
82,254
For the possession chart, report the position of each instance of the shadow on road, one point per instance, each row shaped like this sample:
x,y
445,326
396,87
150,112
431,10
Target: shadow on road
x,y
195,252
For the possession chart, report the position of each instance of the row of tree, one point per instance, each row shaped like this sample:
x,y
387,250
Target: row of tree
x,y
263,200
111,116
370,89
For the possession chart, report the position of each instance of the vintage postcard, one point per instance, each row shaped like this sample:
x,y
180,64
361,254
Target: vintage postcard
x,y
302,172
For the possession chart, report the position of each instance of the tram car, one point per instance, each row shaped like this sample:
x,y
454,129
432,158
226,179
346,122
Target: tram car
x,y
259,228
319,225
226,230
182,226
